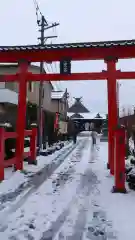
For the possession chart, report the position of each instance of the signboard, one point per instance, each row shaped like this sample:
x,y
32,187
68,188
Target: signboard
x,y
65,66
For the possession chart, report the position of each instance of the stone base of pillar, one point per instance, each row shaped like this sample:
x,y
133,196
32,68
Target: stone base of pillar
x,y
116,190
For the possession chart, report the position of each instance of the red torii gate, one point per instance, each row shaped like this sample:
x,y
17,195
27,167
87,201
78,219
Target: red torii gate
x,y
109,51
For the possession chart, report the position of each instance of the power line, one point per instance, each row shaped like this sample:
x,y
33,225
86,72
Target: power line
x,y
38,13
37,7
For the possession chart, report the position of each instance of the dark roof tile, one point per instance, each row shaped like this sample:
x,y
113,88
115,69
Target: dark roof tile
x,y
78,107
69,45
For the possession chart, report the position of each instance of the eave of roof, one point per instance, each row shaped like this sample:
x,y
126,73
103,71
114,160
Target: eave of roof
x,y
57,95
69,45
87,116
76,51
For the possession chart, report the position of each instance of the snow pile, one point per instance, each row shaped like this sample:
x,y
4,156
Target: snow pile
x,y
120,208
10,185
45,160
17,180
131,145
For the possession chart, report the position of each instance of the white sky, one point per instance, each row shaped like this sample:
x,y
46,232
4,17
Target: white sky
x,y
85,20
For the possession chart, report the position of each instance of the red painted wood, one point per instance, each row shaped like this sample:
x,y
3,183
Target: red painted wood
x,y
126,75
68,77
27,133
20,127
49,55
10,135
26,154
120,152
72,77
112,111
9,78
10,162
2,153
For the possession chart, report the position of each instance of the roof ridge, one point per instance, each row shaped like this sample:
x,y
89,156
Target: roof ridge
x,y
67,45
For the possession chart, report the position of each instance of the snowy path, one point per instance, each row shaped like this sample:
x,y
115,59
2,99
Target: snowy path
x,y
66,166
65,206
12,188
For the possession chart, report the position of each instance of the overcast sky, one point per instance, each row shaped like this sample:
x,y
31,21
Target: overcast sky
x,y
80,21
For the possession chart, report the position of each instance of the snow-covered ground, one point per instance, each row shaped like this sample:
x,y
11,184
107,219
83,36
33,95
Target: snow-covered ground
x,y
74,203
120,208
14,179
9,172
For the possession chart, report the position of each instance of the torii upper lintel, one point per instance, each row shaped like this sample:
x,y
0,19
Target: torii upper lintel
x,y
74,51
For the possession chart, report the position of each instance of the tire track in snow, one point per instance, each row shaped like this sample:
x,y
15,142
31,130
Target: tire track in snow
x,y
67,173
18,205
58,229
41,178
45,175
54,203
89,181
70,224
74,222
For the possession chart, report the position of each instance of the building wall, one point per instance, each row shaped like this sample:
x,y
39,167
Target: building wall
x,y
8,113
33,96
54,105
2,108
59,106
50,105
129,121
32,87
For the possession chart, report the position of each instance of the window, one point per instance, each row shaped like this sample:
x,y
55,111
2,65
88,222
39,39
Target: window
x,y
30,86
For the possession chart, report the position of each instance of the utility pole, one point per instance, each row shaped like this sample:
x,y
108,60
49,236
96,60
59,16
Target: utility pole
x,y
43,24
41,92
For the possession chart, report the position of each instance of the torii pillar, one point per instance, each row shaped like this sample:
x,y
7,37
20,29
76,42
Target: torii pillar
x,y
21,118
112,109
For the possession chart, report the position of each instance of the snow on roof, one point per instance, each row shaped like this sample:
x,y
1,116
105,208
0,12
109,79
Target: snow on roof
x,y
8,96
57,94
88,115
55,86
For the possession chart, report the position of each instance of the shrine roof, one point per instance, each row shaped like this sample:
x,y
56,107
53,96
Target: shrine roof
x,y
69,45
86,116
